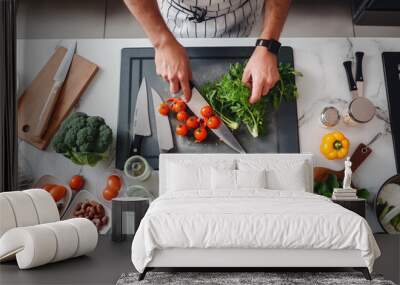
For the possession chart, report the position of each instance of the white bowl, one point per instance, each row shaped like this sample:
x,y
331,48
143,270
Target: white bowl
x,y
83,196
49,179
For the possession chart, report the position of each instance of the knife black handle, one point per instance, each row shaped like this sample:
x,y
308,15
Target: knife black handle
x,y
136,145
359,61
347,67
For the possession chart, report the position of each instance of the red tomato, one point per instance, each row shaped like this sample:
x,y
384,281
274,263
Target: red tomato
x,y
207,111
77,182
200,134
192,122
178,106
114,183
182,116
109,194
163,109
58,192
48,187
182,130
213,122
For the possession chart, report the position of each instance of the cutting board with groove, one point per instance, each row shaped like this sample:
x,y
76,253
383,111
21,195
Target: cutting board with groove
x,y
32,100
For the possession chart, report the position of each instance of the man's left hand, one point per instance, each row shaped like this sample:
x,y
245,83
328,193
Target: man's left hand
x,y
261,73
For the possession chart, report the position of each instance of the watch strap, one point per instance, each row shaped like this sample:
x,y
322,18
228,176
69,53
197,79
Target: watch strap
x,y
273,46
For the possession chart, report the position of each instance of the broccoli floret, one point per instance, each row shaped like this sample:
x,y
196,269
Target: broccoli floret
x,y
83,139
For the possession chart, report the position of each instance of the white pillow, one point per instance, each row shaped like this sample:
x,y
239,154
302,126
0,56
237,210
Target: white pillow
x,y
188,175
251,178
225,179
281,174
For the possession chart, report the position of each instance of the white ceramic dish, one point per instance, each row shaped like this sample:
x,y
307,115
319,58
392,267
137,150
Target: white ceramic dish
x,y
49,179
83,196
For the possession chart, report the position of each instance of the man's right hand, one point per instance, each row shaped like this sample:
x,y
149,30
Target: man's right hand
x,y
172,64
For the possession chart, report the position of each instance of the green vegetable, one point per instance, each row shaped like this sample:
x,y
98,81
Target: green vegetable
x,y
229,97
325,188
83,139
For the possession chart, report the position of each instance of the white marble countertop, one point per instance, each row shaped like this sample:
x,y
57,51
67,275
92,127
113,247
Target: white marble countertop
x,y
323,83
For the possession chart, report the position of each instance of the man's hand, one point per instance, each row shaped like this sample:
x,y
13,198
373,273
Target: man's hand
x,y
261,73
172,64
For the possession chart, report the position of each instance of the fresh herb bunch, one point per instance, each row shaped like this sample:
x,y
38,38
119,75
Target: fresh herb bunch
x,y
229,97
325,188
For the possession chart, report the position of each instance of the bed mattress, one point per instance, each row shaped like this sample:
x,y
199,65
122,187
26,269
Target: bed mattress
x,y
250,219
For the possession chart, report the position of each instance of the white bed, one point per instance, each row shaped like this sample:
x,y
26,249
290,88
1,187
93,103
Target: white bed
x,y
201,219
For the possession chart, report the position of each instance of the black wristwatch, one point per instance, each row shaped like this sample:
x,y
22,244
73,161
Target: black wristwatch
x,y
273,46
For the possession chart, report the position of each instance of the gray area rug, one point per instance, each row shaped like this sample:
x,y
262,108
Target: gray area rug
x,y
243,278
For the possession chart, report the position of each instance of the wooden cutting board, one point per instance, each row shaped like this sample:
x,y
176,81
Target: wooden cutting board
x,y
30,103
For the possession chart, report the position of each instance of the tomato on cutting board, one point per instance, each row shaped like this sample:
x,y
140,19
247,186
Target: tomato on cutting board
x,y
181,130
182,116
207,111
200,134
192,122
164,109
213,122
178,106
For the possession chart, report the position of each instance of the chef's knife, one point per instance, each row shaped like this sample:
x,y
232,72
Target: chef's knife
x,y
163,127
359,73
349,73
140,121
58,81
222,132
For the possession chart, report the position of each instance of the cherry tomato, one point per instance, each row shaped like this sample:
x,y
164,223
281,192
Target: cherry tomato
x,y
207,111
48,187
178,106
182,116
200,134
109,194
213,122
164,109
181,130
114,183
77,182
192,122
58,192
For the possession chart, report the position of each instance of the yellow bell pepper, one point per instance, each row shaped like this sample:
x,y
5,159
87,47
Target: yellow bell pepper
x,y
334,145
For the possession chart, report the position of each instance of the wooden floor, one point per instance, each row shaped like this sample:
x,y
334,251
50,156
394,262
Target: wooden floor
x,y
103,266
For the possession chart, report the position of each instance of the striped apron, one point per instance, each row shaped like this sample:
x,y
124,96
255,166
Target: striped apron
x,y
211,18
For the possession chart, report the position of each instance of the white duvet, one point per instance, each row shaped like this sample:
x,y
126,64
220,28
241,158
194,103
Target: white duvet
x,y
250,219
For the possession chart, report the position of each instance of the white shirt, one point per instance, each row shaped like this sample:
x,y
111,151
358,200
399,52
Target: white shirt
x,y
211,18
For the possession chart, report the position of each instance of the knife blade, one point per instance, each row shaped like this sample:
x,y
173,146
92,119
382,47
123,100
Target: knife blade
x,y
349,73
141,123
359,73
58,81
163,127
222,132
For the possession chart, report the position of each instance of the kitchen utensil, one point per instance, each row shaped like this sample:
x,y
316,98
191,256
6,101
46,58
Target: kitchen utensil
x,y
49,179
58,81
360,110
391,68
330,117
163,126
141,123
222,132
359,155
387,205
83,196
31,101
137,168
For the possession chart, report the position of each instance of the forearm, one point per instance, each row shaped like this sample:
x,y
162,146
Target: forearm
x,y
276,12
149,17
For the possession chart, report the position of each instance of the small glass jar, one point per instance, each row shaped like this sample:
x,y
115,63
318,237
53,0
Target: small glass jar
x,y
330,117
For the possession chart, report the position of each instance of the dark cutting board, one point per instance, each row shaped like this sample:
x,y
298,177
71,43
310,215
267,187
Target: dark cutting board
x,y
208,64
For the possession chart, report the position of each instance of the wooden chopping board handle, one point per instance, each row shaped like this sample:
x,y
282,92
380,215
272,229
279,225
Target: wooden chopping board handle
x,y
359,155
